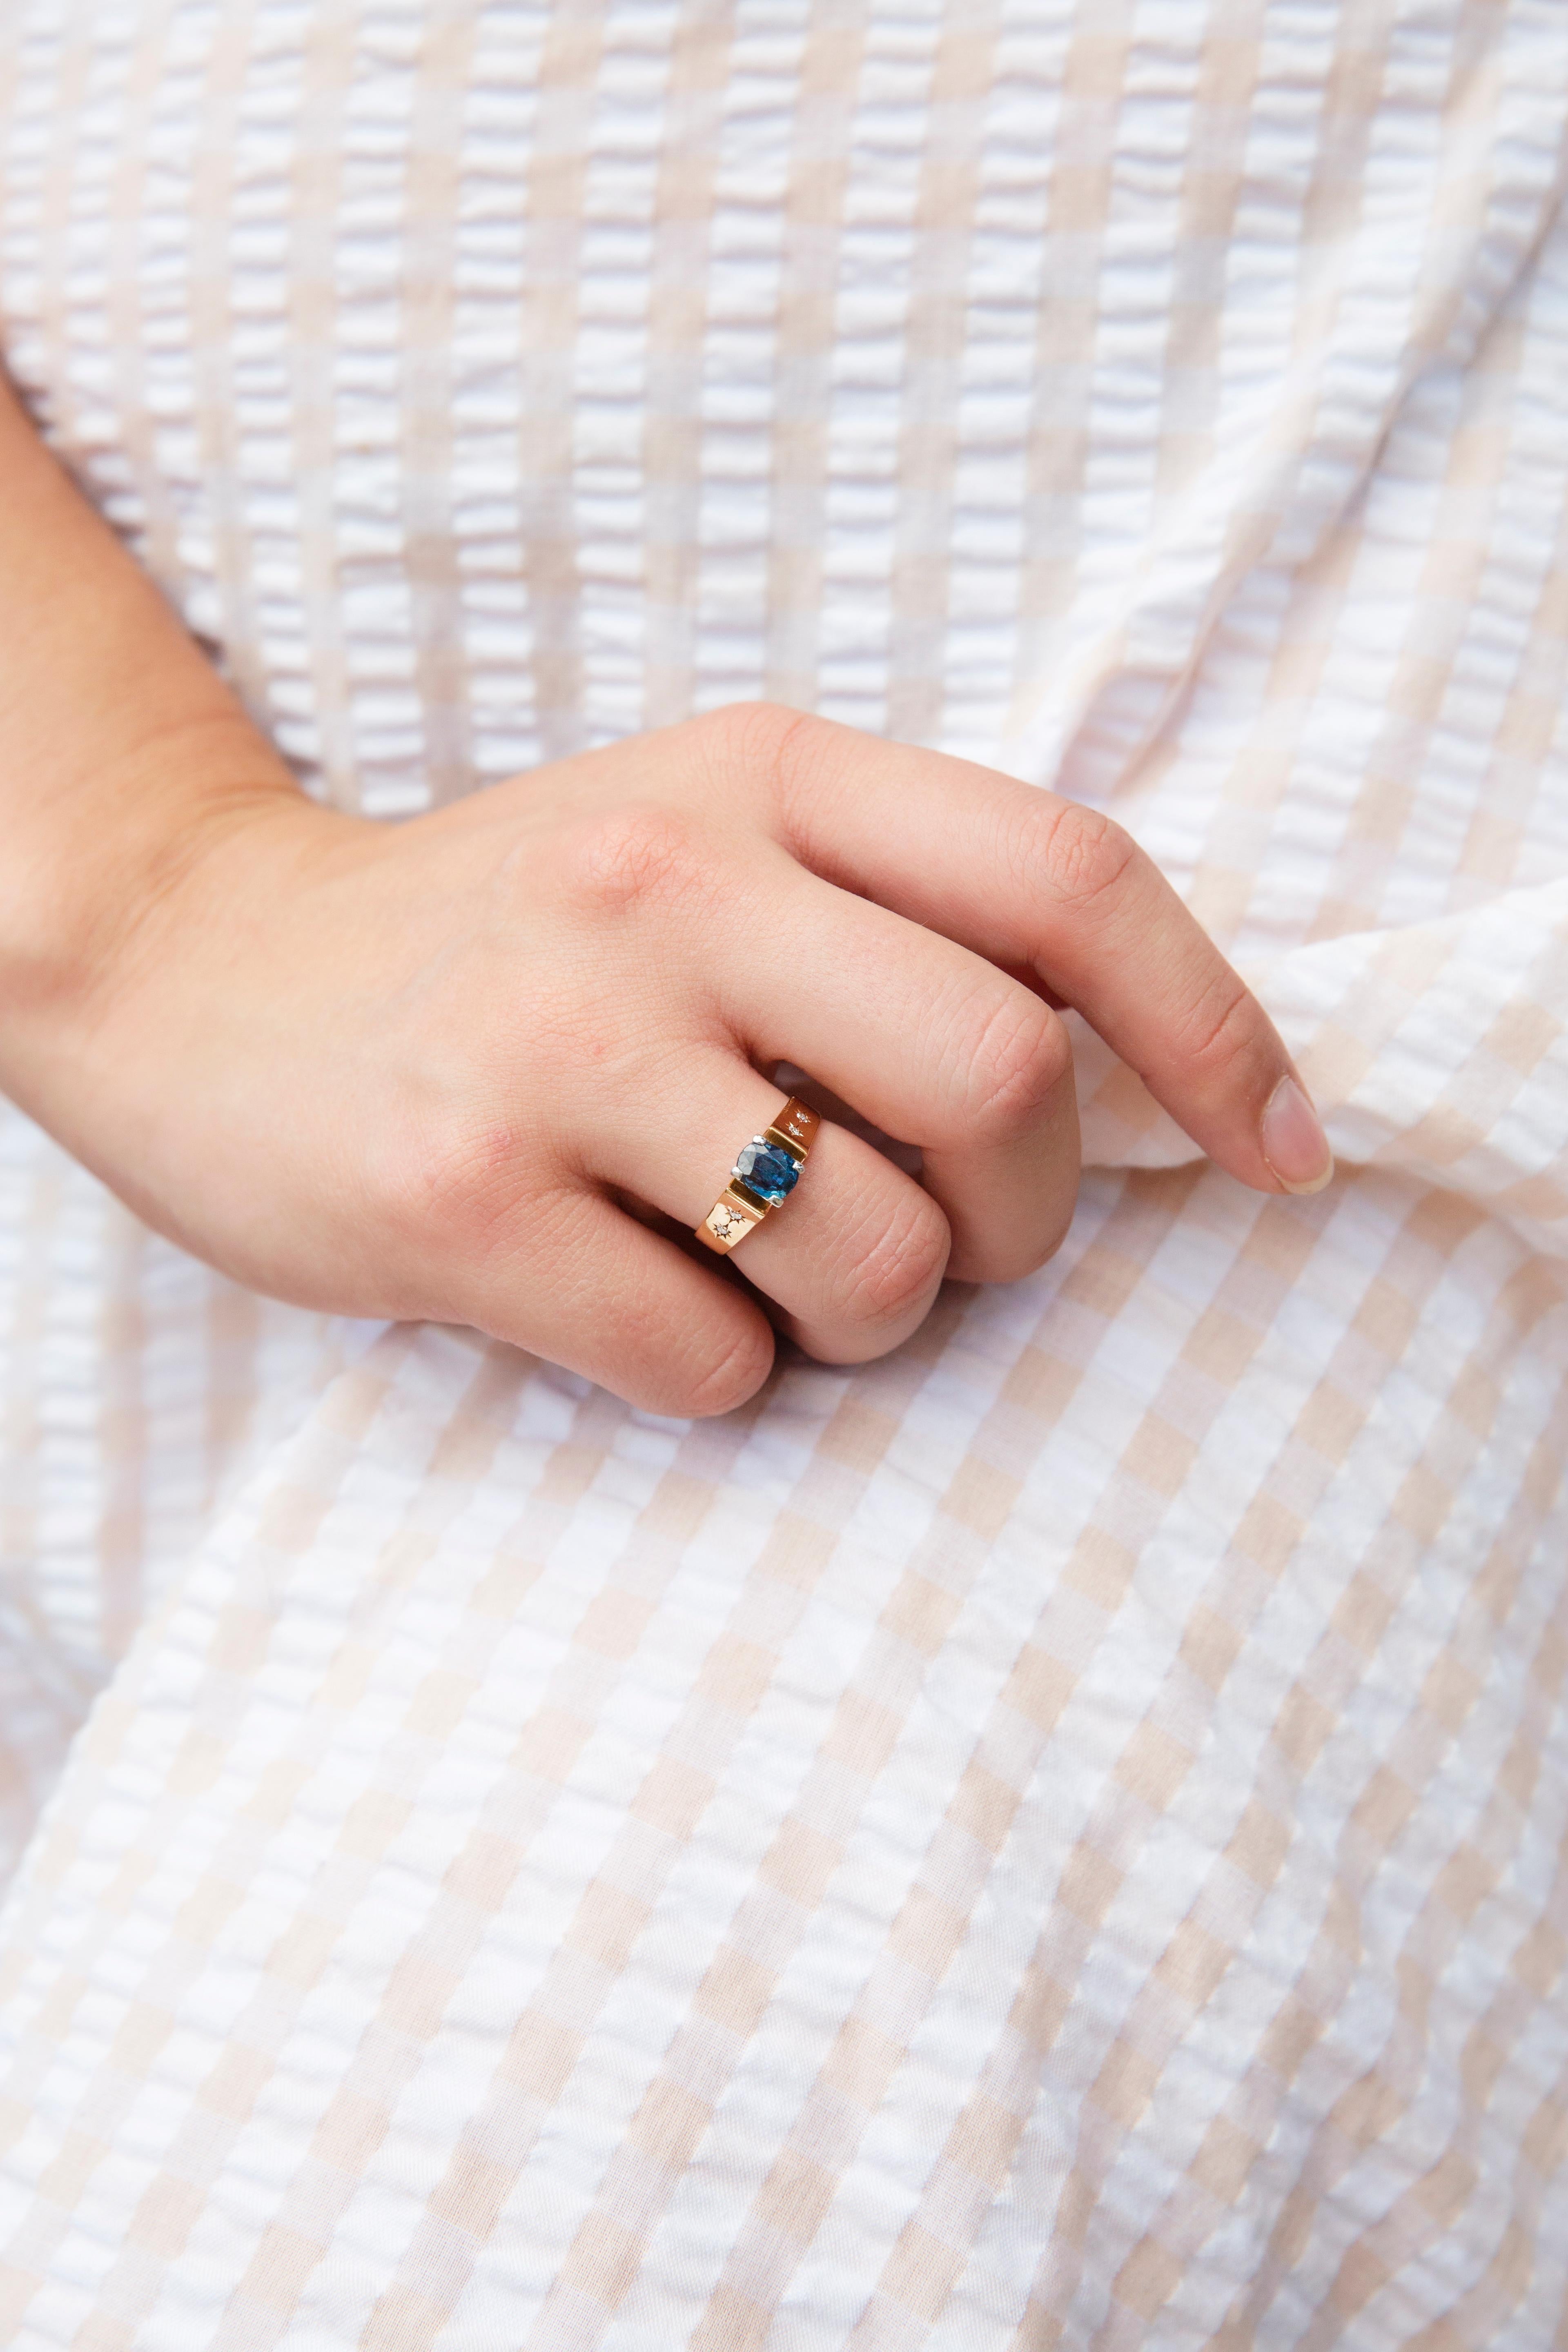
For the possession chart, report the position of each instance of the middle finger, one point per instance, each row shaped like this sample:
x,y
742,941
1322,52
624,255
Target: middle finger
x,y
932,1043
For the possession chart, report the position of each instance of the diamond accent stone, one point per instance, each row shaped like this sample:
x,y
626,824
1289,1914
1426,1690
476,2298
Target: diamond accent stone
x,y
766,1170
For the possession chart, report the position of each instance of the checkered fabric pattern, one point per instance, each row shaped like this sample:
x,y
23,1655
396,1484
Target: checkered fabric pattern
x,y
1056,1838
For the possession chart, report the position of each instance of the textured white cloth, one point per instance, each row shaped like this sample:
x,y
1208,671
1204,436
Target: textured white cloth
x,y
1056,1838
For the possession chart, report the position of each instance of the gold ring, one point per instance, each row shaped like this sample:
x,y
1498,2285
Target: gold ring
x,y
767,1172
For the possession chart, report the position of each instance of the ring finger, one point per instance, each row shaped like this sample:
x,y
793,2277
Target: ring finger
x,y
854,1256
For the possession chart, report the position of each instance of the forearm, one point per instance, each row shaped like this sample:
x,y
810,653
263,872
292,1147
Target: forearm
x,y
123,753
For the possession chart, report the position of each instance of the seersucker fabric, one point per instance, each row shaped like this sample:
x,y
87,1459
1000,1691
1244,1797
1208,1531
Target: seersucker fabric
x,y
1057,1838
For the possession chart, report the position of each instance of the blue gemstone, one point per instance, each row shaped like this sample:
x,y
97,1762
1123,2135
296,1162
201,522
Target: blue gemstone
x,y
766,1170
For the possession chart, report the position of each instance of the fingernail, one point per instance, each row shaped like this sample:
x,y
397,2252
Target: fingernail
x,y
1294,1143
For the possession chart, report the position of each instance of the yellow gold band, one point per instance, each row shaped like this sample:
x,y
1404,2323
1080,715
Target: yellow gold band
x,y
765,1173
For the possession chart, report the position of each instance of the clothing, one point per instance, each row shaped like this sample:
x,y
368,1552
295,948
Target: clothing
x,y
1052,1838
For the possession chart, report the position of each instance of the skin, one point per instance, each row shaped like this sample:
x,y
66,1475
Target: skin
x,y
491,1065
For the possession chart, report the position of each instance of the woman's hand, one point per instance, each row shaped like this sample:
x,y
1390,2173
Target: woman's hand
x,y
492,1066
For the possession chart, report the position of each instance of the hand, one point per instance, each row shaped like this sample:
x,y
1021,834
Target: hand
x,y
427,1070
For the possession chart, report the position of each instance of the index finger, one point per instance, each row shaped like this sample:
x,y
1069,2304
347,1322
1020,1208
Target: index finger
x,y
1040,885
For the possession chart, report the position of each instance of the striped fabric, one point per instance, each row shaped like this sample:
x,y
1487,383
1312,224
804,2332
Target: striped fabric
x,y
1056,1838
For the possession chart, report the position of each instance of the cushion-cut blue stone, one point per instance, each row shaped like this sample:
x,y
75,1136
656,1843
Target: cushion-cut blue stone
x,y
766,1170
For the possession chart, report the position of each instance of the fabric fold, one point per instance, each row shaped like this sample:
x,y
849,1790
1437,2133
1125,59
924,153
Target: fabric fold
x,y
1417,281
1438,1049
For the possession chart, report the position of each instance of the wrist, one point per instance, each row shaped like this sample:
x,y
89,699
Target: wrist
x,y
97,867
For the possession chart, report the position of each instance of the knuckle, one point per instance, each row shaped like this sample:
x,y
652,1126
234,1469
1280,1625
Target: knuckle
x,y
766,744
729,1379
456,1185
1078,853
639,854
902,1263
1220,1026
1017,1066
